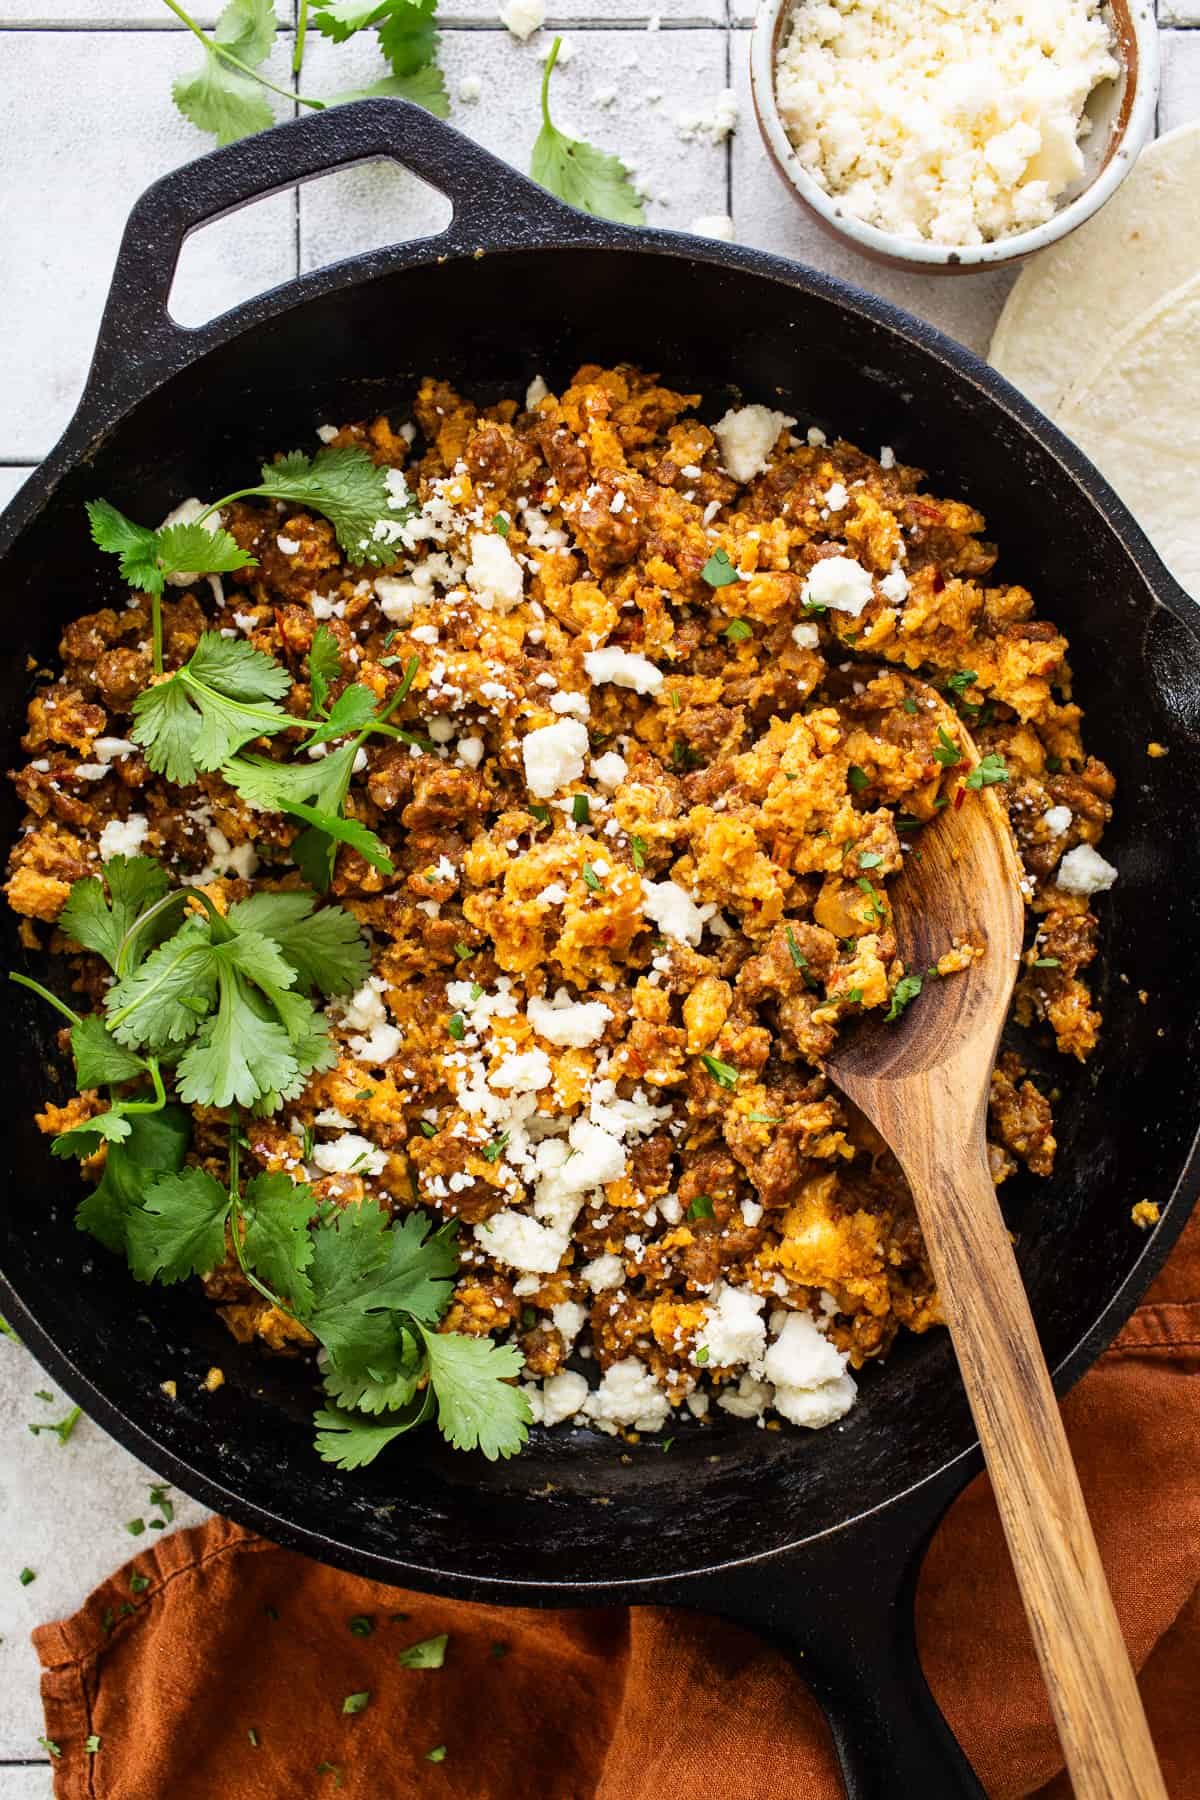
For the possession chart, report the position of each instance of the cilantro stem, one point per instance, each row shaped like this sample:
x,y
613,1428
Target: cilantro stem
x,y
301,33
143,919
235,1216
146,1106
156,622
35,987
549,70
211,44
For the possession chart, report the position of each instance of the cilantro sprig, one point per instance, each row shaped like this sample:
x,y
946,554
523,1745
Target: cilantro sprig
x,y
344,485
593,180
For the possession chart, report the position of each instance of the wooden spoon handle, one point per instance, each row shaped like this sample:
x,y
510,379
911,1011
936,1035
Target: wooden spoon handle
x,y
1097,1707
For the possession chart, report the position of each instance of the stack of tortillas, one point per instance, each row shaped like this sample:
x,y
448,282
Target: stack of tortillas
x,y
1102,331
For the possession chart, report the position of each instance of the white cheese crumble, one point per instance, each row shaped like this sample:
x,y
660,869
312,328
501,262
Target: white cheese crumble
x,y
628,1395
1057,819
571,1023
469,89
674,911
123,837
837,497
524,1071
807,636
288,546
554,756
747,437
838,582
535,393
523,17
952,123
559,1397
732,1331
609,770
624,669
711,124
493,573
894,586
470,751
1084,871
603,1272
809,1375
350,1154
713,225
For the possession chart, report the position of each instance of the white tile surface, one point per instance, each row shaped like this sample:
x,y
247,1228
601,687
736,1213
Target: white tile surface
x,y
375,204
10,481
27,1784
66,191
63,1509
1179,97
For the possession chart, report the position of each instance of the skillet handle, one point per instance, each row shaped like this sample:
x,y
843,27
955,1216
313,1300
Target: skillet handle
x,y
494,209
842,1610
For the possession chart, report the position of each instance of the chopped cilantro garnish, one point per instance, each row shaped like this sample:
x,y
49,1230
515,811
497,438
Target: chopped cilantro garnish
x,y
430,1653
457,1027
1047,962
870,859
540,813
494,1151
591,879
737,631
799,960
761,1118
26,1576
63,1428
360,1625
718,571
252,1738
138,1583
702,1355
876,907
581,810
946,751
49,1745
906,822
463,951
637,851
135,1527
961,680
701,1207
437,1754
987,773
334,1769
909,704
356,1703
723,1073
858,778
500,521
91,1744
855,996
1054,764
903,994
428,1128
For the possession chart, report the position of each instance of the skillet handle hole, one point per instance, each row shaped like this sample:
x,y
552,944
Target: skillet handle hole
x,y
345,213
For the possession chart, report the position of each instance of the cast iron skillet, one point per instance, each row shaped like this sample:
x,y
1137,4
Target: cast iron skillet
x,y
814,1540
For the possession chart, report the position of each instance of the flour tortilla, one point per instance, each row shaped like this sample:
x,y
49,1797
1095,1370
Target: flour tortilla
x,y
1057,326
1138,417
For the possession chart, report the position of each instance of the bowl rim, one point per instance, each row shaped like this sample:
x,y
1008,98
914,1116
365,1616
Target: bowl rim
x,y
1136,28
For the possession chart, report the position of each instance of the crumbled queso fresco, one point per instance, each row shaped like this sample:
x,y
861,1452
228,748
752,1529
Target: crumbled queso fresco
x,y
958,121
660,760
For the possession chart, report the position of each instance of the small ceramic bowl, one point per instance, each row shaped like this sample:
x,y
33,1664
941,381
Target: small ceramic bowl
x,y
1122,114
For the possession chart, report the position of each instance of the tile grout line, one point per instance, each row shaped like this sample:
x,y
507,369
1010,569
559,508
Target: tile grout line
x,y
90,27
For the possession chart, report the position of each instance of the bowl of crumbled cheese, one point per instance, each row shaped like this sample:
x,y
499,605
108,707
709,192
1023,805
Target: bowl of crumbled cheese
x,y
954,134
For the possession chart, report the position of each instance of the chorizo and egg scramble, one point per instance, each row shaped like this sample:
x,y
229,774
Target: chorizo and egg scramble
x,y
597,741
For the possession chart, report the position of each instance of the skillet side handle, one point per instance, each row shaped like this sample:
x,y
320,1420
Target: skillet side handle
x,y
495,208
842,1610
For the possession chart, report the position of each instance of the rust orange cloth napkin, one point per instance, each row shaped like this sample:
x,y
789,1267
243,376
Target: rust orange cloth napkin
x,y
227,1680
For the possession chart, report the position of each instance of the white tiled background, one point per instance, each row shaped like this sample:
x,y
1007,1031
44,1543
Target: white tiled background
x,y
86,121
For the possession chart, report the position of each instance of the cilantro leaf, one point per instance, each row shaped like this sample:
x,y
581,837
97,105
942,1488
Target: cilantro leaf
x,y
407,36
278,786
424,87
372,849
179,1230
237,1054
205,549
222,698
220,98
164,999
326,948
946,751
276,1212
136,545
346,487
324,663
340,19
476,1408
577,172
101,923
84,1139
354,707
389,1384
351,1442
99,1059
156,1145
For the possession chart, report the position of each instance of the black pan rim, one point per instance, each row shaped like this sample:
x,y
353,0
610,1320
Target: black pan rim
x,y
557,229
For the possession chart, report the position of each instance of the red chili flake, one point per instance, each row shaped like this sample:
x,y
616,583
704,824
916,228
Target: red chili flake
x,y
924,510
959,797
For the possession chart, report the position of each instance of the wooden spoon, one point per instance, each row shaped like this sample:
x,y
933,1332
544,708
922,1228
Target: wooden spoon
x,y
923,1083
